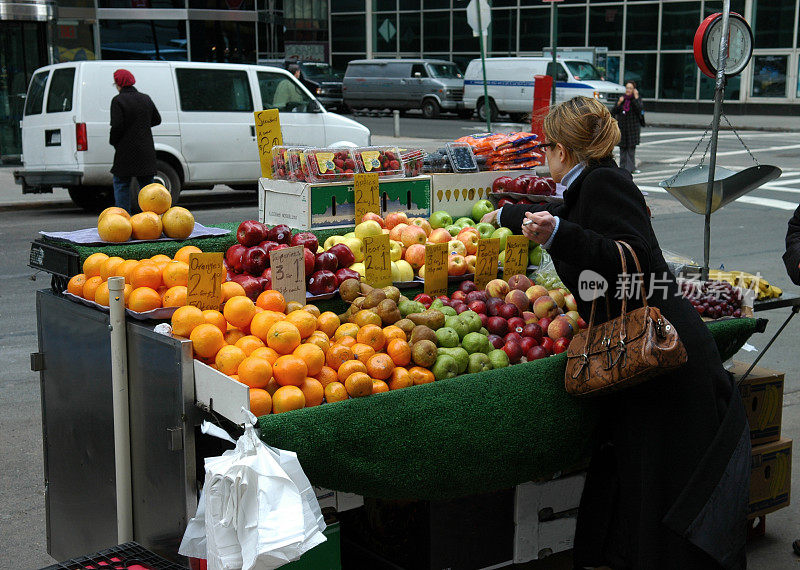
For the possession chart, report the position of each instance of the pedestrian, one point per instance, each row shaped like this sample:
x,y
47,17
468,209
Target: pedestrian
x,y
288,95
628,112
133,114
668,483
791,258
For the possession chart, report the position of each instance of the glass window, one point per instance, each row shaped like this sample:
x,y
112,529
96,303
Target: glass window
x,y
270,40
445,70
347,6
462,60
280,92
410,32
679,22
773,23
340,61
356,37
410,5
498,3
463,40
383,5
35,98
605,26
583,70
561,75
143,39
678,76
534,29
612,68
436,4
418,68
223,41
74,41
503,32
384,33
210,90
436,30
732,87
59,96
141,4
769,76
642,21
571,26
641,68
714,6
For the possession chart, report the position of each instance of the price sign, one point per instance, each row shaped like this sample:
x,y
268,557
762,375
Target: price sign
x,y
436,269
289,273
516,260
486,264
206,274
268,135
367,195
377,262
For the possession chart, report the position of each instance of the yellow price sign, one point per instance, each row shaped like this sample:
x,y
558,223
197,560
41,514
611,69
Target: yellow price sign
x,y
377,261
486,263
268,135
367,194
436,269
206,274
516,260
289,273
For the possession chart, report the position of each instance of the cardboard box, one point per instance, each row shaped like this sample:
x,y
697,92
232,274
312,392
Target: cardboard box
x,y
338,500
456,193
762,392
770,477
306,206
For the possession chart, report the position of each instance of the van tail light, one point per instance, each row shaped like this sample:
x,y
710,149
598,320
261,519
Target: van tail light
x,y
81,142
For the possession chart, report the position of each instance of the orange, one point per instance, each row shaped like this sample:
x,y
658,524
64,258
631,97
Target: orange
x,y
362,351
290,370
239,311
109,266
160,258
249,344
421,375
305,322
399,351
93,263
175,296
145,274
143,299
283,337
232,289
328,322
350,367
146,226
262,322
335,392
124,269
185,319
346,329
114,210
347,341
154,198
380,366
392,332
271,300
206,339
183,253
176,273
358,385
327,375
319,339
313,391
379,386
114,228
272,386
255,372
312,355
228,359
75,284
338,355
90,287
215,318
400,378
313,309
265,352
293,306
260,402
372,335
287,398
102,294
233,335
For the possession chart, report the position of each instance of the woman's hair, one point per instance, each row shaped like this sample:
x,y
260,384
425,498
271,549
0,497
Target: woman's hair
x,y
632,82
585,127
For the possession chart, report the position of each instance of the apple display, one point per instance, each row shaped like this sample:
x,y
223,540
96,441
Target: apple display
x,y
441,219
415,255
439,235
345,273
560,345
254,260
533,331
373,217
406,271
520,282
477,306
413,234
497,288
356,247
496,341
322,282
536,353
501,183
422,223
280,234
545,307
395,218
233,257
497,326
396,233
456,265
472,260
250,233
469,237
519,299
456,247
513,349
326,260
344,255
503,234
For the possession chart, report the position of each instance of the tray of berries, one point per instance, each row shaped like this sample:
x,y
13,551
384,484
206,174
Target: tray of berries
x,y
385,160
330,164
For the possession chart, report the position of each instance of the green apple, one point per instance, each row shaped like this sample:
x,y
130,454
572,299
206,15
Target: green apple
x,y
440,219
501,259
485,230
367,229
480,209
535,256
356,246
447,337
349,235
458,325
332,241
445,367
498,358
472,320
461,356
464,222
453,229
479,362
406,271
503,234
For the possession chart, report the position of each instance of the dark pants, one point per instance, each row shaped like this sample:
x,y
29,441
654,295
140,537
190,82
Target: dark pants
x,y
122,189
627,158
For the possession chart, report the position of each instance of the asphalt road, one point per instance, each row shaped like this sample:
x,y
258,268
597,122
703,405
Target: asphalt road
x,y
747,235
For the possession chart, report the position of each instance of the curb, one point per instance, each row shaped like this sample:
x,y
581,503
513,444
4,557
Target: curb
x,y
18,206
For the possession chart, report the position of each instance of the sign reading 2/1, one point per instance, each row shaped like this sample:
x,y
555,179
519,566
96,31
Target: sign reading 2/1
x,y
268,135
206,273
289,273
486,263
436,269
377,260
516,260
367,194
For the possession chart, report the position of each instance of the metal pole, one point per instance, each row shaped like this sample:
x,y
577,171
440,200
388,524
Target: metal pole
x,y
368,13
554,41
396,115
719,94
483,65
119,390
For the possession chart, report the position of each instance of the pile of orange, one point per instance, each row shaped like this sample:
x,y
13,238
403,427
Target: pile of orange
x,y
157,217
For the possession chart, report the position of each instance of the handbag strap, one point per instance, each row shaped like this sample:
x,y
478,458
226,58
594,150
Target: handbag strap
x,y
638,268
608,304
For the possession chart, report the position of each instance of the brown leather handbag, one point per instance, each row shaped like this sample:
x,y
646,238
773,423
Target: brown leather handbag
x,y
624,351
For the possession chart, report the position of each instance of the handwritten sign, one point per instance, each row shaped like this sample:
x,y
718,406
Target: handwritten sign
x,y
436,269
268,135
367,194
289,273
206,274
486,263
377,261
516,261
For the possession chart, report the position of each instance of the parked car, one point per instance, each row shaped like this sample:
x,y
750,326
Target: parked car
x,y
319,77
510,84
206,137
433,85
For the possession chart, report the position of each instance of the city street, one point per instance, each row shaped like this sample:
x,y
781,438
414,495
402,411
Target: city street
x,y
747,235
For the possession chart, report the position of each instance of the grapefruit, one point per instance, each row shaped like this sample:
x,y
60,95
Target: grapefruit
x,y
114,228
155,198
146,225
178,223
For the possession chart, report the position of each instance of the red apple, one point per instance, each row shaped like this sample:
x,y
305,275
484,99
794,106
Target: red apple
x,y
322,282
459,295
582,324
425,299
467,286
500,183
513,336
527,343
493,306
544,323
310,261
415,256
533,331
444,299
254,260
233,257
326,260
307,240
507,310
498,326
346,273
539,187
477,306
496,340
560,345
513,349
251,233
529,317
461,308
439,235
374,217
519,299
516,324
394,219
506,202
252,285
266,279
547,344
344,255
280,233
535,353
456,265
484,318
477,296
469,237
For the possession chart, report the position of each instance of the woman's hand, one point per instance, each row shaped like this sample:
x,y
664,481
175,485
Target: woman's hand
x,y
491,217
636,93
540,228
621,100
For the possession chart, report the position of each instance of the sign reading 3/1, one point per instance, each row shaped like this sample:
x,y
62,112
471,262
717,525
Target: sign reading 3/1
x,y
204,286
377,260
486,263
367,194
289,273
516,260
436,269
268,135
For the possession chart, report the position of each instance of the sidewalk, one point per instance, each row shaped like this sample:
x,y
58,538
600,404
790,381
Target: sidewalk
x,y
778,123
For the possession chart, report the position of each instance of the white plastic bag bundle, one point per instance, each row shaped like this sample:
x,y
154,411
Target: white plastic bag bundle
x,y
257,511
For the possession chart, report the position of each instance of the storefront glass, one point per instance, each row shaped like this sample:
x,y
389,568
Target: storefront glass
x,y
612,68
74,41
355,39
218,4
436,31
141,3
463,40
410,32
678,75
769,76
605,26
679,22
773,23
708,85
384,33
571,26
346,6
641,68
436,4
383,5
534,29
642,20
223,42
143,39
503,33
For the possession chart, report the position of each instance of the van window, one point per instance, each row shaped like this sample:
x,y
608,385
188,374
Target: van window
x,y
561,74
580,70
59,98
218,90
282,93
418,68
35,98
445,70
365,70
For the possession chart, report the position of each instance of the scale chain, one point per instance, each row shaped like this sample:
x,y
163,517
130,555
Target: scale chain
x,y
740,138
675,176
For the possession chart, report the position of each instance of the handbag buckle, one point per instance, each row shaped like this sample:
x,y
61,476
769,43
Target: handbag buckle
x,y
622,354
662,328
584,366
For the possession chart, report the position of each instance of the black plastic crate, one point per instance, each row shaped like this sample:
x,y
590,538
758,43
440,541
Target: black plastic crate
x,y
128,556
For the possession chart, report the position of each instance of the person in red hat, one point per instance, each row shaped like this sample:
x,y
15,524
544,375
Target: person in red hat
x,y
133,115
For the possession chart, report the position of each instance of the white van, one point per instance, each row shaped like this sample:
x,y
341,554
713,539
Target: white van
x,y
206,135
510,84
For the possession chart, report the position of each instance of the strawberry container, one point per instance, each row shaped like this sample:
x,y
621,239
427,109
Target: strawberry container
x,y
413,161
385,160
286,164
329,164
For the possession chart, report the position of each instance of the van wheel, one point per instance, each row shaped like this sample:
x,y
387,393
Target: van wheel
x,y
167,176
430,109
481,109
92,198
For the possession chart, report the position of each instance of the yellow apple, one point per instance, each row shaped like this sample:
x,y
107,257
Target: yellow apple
x,y
406,273
332,241
395,250
356,246
368,228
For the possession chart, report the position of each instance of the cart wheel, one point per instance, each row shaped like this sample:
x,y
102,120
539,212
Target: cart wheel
x,y
58,284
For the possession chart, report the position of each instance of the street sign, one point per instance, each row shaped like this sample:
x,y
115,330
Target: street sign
x,y
479,22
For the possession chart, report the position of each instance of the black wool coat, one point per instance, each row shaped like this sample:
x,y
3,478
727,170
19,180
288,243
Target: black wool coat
x,y
668,484
133,114
792,256
629,126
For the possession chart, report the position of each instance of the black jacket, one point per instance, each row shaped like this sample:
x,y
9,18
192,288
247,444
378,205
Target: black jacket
x,y
792,256
132,116
629,123
668,485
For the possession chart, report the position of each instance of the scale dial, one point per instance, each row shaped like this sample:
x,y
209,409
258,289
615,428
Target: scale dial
x,y
707,39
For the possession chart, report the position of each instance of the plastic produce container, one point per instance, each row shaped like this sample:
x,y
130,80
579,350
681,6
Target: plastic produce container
x,y
385,160
413,161
286,164
461,157
330,164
